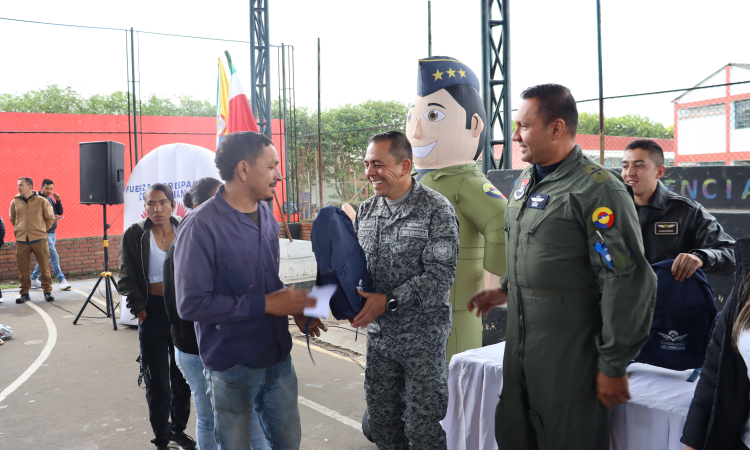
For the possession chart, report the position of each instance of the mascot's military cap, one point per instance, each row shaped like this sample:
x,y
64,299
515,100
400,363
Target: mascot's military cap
x,y
439,72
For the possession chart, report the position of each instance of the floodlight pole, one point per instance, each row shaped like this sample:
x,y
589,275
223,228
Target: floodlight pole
x,y
601,84
135,120
496,74
429,29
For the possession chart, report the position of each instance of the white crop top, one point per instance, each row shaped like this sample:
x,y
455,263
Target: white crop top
x,y
156,262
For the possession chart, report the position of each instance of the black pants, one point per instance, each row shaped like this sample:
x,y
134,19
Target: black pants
x,y
157,351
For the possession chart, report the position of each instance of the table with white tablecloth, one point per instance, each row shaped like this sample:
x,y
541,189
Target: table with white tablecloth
x,y
652,419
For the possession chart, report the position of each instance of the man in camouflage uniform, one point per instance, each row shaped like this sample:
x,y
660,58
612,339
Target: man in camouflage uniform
x,y
579,289
410,236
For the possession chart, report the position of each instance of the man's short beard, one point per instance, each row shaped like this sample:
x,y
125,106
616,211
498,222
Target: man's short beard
x,y
268,200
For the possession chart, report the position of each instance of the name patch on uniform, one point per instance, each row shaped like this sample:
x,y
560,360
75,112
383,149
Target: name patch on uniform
x,y
413,232
521,188
367,228
662,228
537,201
385,239
603,217
492,191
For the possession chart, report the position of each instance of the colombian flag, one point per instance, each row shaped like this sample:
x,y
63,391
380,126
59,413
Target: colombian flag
x,y
222,104
240,115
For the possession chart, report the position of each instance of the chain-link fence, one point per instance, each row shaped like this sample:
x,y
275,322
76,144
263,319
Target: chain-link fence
x,y
343,176
708,124
40,128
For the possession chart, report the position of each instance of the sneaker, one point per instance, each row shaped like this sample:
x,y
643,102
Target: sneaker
x,y
36,284
183,440
48,296
64,285
23,298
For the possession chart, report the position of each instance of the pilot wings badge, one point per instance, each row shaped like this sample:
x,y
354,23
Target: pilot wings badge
x,y
673,341
666,228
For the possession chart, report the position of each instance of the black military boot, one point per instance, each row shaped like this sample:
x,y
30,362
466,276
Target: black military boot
x,y
23,298
48,296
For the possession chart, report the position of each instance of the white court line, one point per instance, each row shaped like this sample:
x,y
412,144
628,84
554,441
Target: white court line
x,y
51,341
330,413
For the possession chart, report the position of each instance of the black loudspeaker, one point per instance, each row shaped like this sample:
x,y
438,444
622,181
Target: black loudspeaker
x,y
102,170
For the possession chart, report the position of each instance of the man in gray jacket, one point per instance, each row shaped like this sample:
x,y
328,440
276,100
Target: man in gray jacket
x,y
410,237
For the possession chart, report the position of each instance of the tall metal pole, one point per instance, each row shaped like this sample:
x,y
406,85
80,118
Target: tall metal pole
x,y
135,121
286,143
260,65
429,28
320,151
601,84
496,82
507,107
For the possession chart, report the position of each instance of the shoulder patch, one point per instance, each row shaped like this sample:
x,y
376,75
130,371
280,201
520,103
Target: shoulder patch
x,y
599,174
492,191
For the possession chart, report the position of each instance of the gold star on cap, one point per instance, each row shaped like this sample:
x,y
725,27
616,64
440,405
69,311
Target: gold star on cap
x,y
438,75
451,73
462,72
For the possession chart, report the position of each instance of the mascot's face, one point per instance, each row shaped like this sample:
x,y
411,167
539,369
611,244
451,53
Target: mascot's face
x,y
436,128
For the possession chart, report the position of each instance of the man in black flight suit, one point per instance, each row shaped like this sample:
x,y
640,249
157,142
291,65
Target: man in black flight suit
x,y
674,226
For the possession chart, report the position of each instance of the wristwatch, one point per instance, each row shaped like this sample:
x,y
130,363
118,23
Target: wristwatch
x,y
702,256
391,304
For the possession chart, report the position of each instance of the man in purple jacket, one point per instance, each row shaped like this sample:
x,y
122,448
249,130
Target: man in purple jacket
x,y
227,282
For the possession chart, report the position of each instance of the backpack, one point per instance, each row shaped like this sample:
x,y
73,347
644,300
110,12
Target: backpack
x,y
683,318
341,261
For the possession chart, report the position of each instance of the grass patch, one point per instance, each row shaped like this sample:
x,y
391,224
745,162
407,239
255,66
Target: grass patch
x,y
9,286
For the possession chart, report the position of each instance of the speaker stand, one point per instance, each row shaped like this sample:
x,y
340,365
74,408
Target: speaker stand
x,y
109,281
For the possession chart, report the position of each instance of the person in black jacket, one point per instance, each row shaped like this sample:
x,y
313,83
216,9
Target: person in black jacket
x,y
48,192
674,226
720,410
142,253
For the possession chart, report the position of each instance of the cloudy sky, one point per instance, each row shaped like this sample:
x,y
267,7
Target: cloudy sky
x,y
370,49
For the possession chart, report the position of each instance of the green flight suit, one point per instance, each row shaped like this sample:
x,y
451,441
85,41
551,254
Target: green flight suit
x,y
480,209
570,315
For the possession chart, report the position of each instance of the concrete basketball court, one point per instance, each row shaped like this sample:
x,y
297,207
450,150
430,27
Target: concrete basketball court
x,y
68,386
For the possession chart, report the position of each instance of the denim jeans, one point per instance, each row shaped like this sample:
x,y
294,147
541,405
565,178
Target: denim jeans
x,y
271,392
53,259
192,368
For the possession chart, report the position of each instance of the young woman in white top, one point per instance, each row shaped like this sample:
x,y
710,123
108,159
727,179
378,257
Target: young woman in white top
x,y
719,415
142,251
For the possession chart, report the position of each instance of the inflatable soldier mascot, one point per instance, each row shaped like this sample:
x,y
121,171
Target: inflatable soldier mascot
x,y
445,127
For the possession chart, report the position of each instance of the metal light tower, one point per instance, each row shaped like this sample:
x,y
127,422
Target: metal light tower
x,y
496,82
260,65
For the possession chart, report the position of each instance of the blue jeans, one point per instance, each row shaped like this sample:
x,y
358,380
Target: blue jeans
x,y
271,392
192,369
53,258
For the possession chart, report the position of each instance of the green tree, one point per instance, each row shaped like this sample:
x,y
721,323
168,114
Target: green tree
x,y
345,132
632,125
54,99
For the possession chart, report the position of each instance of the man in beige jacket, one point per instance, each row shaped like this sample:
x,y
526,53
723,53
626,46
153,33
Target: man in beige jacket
x,y
31,216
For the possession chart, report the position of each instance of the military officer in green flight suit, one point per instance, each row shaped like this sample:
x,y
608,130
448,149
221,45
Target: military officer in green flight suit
x,y
579,289
446,129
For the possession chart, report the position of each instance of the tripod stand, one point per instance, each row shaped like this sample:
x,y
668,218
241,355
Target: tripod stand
x,y
108,278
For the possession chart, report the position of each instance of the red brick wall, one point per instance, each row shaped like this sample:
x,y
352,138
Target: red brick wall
x,y
81,256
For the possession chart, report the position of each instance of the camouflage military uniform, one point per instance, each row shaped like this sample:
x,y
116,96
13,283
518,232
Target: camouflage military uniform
x,y
411,254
